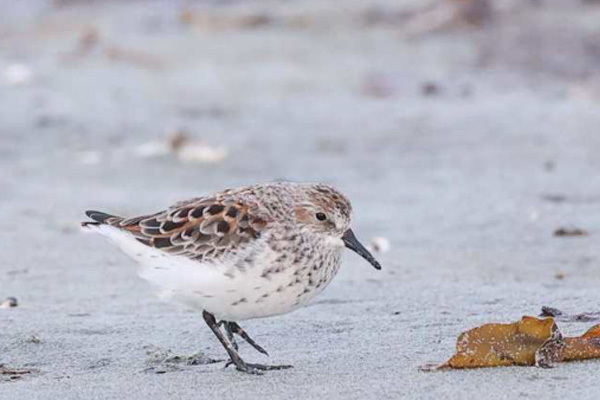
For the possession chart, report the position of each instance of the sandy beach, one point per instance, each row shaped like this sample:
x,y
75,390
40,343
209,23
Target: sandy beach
x,y
467,144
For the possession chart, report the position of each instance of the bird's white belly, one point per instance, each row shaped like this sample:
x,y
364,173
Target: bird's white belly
x,y
228,292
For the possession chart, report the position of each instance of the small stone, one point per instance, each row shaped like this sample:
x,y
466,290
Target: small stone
x,y
571,231
33,339
430,89
380,245
555,198
10,302
196,152
177,139
550,165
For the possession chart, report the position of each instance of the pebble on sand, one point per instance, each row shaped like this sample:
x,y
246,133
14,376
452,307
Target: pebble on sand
x,y
380,245
570,231
10,302
184,148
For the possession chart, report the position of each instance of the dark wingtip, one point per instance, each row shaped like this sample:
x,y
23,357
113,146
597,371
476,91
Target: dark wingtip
x,y
98,216
90,223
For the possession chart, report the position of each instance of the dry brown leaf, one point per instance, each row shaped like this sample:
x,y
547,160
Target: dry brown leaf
x,y
583,347
530,341
493,345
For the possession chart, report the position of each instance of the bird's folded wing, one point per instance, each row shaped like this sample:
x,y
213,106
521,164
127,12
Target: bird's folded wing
x,y
201,229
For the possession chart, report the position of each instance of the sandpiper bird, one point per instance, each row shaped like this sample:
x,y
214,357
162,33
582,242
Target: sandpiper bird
x,y
242,253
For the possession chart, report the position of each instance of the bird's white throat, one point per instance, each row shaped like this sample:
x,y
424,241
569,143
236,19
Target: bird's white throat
x,y
334,241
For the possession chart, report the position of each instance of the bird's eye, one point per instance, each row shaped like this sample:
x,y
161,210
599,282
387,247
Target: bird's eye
x,y
321,216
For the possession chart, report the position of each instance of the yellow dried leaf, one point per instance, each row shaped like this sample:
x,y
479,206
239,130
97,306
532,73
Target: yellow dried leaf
x,y
583,347
493,345
530,341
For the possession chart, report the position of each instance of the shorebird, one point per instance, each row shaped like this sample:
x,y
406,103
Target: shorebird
x,y
239,254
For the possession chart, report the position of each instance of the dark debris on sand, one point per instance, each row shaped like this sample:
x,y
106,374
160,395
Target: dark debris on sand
x,y
161,361
8,374
561,316
564,232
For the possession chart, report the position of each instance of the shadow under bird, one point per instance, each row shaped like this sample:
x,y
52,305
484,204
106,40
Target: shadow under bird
x,y
243,253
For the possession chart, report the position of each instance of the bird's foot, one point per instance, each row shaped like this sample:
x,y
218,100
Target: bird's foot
x,y
230,346
255,369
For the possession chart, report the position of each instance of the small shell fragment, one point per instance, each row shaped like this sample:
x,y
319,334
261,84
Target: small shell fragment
x,y
380,245
197,152
17,74
152,149
185,149
10,302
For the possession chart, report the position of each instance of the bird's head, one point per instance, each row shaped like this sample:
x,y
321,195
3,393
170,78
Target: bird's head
x,y
327,212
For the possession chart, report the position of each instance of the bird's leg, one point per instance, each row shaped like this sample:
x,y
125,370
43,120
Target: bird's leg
x,y
229,333
233,354
233,327
236,360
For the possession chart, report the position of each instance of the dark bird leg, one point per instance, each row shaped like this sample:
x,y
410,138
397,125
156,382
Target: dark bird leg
x,y
233,355
229,333
236,360
233,327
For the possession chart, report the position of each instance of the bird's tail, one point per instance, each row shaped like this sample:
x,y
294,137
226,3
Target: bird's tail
x,y
100,218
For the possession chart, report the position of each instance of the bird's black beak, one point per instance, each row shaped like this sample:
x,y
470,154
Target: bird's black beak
x,y
353,244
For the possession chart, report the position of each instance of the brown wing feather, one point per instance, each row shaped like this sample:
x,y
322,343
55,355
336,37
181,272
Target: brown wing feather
x,y
200,229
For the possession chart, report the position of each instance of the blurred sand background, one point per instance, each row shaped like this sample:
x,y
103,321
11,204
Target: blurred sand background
x,y
465,132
